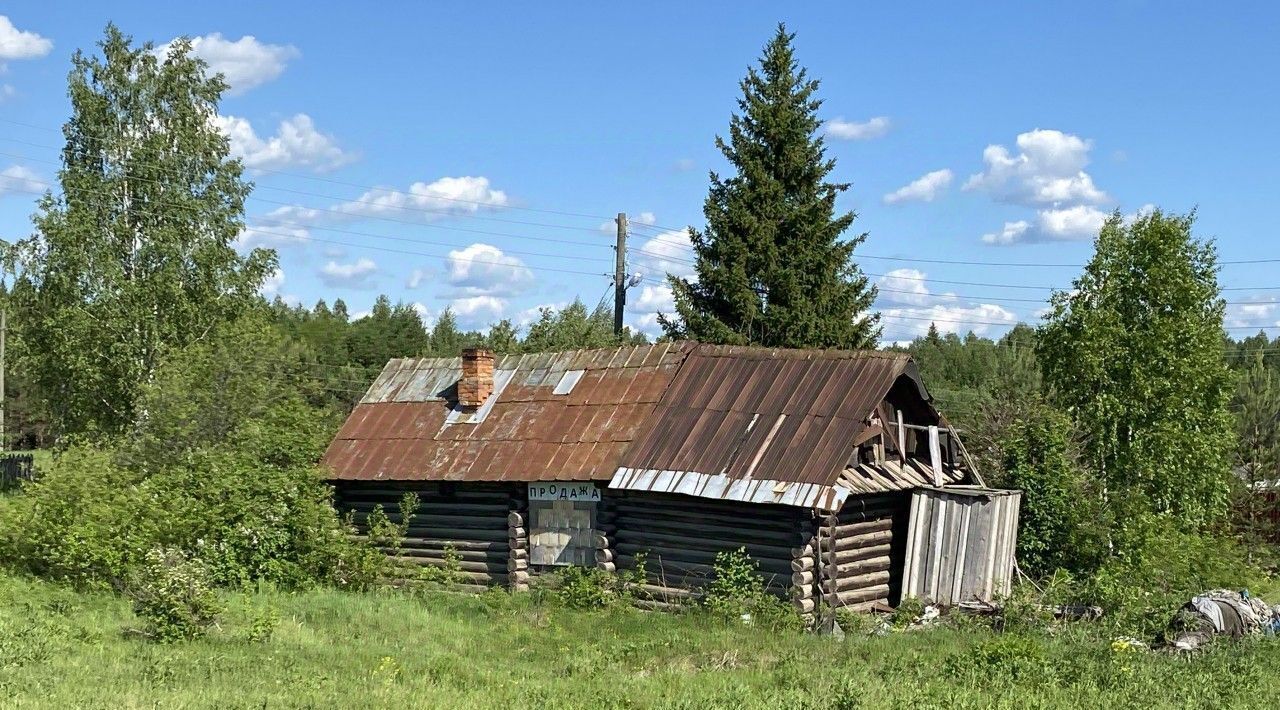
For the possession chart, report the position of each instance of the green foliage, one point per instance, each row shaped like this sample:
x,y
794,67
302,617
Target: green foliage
x,y
737,592
574,327
263,625
1061,523
173,595
447,573
136,256
238,387
1158,568
60,649
1134,354
593,588
1008,659
772,266
1257,460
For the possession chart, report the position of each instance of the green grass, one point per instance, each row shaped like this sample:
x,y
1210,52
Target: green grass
x,y
62,649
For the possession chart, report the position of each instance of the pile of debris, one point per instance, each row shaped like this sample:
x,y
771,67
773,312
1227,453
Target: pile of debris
x,y
1221,612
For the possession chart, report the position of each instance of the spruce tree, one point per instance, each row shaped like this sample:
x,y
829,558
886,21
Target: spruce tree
x,y
772,267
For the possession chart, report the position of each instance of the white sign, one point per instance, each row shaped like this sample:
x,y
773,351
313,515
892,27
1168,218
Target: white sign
x,y
585,492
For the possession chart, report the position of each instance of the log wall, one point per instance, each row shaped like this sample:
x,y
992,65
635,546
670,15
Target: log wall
x,y
678,538
860,551
483,523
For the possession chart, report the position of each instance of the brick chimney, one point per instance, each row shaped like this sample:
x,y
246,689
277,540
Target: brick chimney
x,y
477,378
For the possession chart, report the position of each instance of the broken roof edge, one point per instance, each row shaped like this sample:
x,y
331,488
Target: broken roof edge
x,y
721,487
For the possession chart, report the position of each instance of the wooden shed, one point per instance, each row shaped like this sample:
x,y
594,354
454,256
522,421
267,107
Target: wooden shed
x,y
670,453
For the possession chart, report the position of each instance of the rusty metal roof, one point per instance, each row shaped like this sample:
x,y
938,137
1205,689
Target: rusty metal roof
x,y
753,424
407,426
789,417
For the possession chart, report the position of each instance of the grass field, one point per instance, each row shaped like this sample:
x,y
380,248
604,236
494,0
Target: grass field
x,y
62,649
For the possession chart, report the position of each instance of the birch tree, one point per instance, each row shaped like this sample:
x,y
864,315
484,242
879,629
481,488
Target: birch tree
x,y
134,256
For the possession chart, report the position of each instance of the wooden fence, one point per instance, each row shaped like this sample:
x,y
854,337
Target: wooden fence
x,y
15,468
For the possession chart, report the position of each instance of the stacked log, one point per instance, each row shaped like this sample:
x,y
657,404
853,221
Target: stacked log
x,y
678,538
464,527
605,529
858,547
805,573
518,542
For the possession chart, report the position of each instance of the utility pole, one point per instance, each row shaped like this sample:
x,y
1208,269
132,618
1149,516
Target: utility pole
x,y
620,275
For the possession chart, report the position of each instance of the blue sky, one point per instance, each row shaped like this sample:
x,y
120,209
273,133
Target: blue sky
x,y
501,139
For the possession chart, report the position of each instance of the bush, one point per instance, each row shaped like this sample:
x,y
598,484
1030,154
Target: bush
x,y
173,595
592,588
1158,567
737,591
1061,523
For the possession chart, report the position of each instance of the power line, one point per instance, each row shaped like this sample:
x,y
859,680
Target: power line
x,y
383,249
333,181
304,225
674,241
1006,323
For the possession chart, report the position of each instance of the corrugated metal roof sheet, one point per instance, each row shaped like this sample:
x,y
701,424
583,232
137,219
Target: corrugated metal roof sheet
x,y
405,427
773,425
789,416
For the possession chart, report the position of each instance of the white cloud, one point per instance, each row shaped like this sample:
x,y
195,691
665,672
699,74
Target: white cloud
x,y
1257,313
667,253
7,92
483,270
1139,213
245,63
17,179
526,317
904,286
423,202
841,129
272,284
912,307
914,322
296,143
423,312
923,189
1079,222
477,311
647,303
415,279
21,44
357,274
1012,233
1048,170
272,236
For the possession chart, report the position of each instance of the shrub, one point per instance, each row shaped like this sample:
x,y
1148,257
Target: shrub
x,y
737,591
1060,525
1158,567
173,595
263,625
592,588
